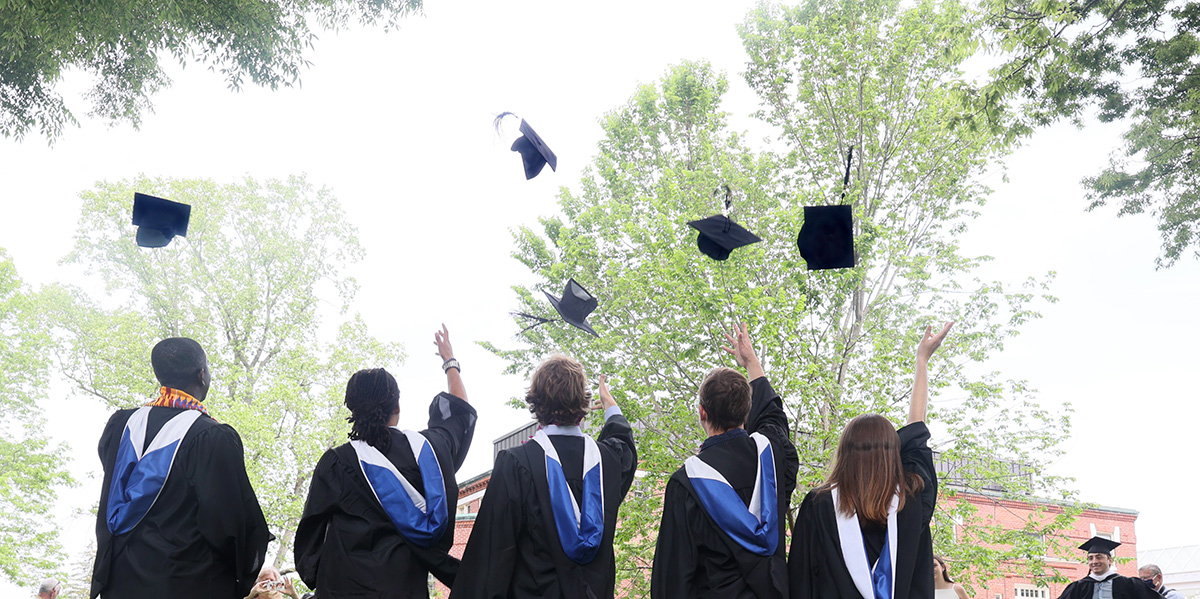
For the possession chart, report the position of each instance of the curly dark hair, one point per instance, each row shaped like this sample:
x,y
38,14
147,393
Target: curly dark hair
x,y
372,396
558,392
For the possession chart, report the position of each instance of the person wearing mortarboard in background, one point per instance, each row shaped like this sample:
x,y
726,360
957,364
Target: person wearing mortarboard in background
x,y
1102,581
855,536
722,530
1153,576
545,526
178,517
380,511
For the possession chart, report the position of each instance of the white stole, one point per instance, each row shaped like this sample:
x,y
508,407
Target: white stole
x,y
854,552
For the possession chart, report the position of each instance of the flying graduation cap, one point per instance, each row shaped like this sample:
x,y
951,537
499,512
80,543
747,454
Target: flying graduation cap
x,y
719,235
1099,545
535,154
574,307
159,220
826,239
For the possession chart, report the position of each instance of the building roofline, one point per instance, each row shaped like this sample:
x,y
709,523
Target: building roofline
x,y
474,479
1044,501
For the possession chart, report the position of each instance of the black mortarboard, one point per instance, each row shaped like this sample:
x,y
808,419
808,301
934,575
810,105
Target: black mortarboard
x,y
575,305
159,220
535,154
827,238
1099,545
719,235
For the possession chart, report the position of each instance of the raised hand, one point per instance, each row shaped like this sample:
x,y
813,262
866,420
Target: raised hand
x,y
606,398
442,340
930,342
743,350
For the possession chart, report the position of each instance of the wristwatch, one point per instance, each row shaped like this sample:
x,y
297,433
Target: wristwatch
x,y
451,363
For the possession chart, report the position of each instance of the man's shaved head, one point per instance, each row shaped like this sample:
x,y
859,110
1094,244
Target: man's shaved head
x,y
177,362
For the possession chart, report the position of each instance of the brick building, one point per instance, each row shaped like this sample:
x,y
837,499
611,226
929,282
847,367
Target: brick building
x,y
1117,524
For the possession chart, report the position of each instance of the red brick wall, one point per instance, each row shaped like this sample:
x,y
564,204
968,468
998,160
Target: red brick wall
x,y
1073,565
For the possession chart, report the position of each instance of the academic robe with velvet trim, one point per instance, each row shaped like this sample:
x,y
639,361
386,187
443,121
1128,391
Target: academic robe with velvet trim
x,y
514,550
348,547
816,567
205,536
694,558
1123,588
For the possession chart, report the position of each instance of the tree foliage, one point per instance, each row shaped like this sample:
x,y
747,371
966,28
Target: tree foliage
x,y
1137,60
33,469
874,75
250,282
121,43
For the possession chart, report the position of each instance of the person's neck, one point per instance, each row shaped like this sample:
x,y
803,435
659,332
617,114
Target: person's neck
x,y
939,583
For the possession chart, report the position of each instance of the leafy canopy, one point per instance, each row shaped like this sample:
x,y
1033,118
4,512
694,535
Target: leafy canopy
x,y
121,43
1137,60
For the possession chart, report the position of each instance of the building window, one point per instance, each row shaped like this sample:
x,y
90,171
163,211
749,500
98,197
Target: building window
x,y
1028,591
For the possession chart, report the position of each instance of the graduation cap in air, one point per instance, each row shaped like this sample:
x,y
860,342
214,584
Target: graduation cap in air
x,y
826,239
1099,545
719,235
574,306
159,220
535,154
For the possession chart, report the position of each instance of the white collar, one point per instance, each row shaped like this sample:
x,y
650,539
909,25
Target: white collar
x,y
1100,577
853,552
570,431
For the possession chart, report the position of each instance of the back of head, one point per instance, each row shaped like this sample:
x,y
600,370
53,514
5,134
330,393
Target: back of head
x,y
372,397
867,470
558,392
177,361
725,396
48,586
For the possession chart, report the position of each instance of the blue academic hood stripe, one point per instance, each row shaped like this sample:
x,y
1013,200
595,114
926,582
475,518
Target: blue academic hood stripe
x,y
422,528
137,481
757,534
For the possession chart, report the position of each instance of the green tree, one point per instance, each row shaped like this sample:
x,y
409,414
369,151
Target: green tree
x,y
121,43
33,470
830,75
1137,60
247,283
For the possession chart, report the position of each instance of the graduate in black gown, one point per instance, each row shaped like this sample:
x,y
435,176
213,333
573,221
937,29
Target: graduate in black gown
x,y
1102,581
177,516
545,525
724,512
380,511
855,536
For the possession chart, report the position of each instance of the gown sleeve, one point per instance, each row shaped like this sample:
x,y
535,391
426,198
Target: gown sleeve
x,y
617,435
229,516
916,457
803,573
768,419
675,556
452,425
324,495
491,553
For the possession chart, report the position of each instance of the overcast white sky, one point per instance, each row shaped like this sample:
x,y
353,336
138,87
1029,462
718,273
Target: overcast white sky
x,y
397,125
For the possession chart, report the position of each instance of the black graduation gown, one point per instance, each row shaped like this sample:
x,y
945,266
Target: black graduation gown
x,y
1123,588
205,536
693,557
816,567
346,546
514,550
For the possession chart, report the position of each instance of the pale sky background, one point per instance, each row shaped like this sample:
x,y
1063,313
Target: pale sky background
x,y
398,126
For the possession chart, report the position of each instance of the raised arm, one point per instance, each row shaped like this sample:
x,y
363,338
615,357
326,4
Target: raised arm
x,y
454,384
920,395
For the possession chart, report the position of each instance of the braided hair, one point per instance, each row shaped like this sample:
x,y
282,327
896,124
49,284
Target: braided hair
x,y
372,397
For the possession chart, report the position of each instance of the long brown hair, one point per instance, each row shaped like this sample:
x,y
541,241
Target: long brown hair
x,y
945,572
867,469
